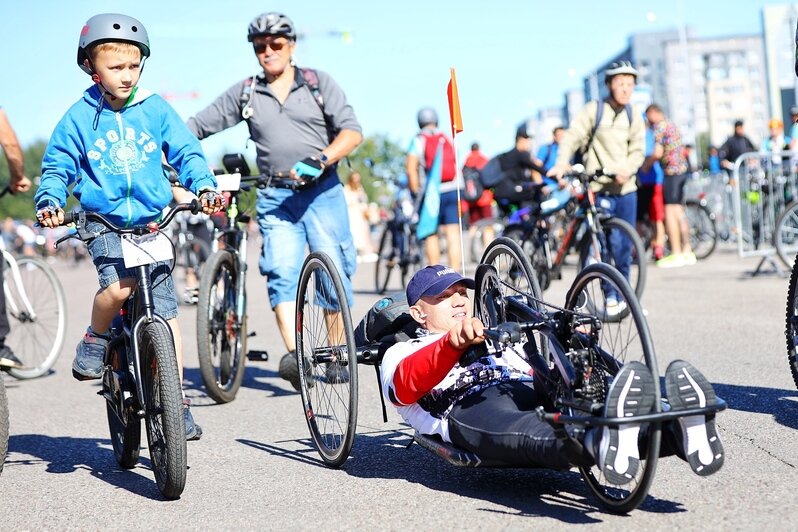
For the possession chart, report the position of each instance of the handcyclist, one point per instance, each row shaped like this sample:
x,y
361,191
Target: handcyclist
x,y
488,407
300,122
109,145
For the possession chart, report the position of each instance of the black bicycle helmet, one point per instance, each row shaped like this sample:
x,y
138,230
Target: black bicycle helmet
x,y
620,67
111,27
427,116
271,24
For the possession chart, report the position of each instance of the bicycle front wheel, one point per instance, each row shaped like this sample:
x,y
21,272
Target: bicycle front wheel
x,y
327,359
221,331
702,229
618,341
785,237
163,407
36,307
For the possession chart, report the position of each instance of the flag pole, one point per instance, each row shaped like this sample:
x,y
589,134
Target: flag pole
x,y
456,121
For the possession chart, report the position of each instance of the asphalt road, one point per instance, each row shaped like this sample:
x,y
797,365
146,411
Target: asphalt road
x,y
255,467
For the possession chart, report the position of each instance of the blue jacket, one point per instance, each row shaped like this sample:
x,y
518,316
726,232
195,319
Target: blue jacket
x,y
116,166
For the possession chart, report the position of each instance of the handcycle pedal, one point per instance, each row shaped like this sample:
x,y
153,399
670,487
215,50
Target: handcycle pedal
x,y
257,356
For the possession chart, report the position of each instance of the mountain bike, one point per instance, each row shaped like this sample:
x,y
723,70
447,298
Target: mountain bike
x,y
222,300
140,379
36,307
399,249
595,234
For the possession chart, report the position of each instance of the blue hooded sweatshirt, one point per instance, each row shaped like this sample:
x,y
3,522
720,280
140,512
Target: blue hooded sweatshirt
x,y
114,159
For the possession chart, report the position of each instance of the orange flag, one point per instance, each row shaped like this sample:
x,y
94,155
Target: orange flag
x,y
454,105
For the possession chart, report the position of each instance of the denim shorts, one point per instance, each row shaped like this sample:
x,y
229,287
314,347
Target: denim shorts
x,y
314,218
106,252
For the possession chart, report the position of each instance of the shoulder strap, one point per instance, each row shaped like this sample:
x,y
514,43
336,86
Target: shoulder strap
x,y
311,78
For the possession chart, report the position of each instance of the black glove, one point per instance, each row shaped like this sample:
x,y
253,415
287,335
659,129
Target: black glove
x,y
211,201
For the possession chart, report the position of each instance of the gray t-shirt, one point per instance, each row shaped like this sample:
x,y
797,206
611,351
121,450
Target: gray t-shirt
x,y
283,133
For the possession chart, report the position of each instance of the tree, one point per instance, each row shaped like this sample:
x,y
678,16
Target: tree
x,y
380,162
20,206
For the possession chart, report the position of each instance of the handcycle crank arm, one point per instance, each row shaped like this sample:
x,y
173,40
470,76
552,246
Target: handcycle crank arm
x,y
557,418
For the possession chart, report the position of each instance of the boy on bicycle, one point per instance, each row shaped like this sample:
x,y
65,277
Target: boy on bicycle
x,y
110,144
488,406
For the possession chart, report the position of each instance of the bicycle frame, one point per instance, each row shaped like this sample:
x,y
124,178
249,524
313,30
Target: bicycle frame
x,y
24,308
235,241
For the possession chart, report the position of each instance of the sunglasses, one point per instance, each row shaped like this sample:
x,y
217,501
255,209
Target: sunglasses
x,y
260,47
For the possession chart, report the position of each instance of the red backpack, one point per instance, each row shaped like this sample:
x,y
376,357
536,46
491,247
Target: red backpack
x,y
431,142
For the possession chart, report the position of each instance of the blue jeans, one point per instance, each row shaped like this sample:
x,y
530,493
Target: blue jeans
x,y
625,208
291,220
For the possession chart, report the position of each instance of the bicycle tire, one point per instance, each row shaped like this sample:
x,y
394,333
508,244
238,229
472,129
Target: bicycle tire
x,y
386,261
4,427
791,329
536,253
163,398
702,228
327,373
638,266
785,237
37,337
619,342
477,245
221,332
123,423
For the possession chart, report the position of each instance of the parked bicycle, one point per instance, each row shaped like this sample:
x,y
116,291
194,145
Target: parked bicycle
x,y
596,235
702,228
222,303
36,307
140,379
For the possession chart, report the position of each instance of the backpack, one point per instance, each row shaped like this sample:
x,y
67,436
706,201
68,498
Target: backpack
x,y
472,185
311,80
387,320
492,173
449,163
579,157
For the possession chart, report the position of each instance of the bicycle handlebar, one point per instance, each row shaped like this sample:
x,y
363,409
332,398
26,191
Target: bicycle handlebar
x,y
76,216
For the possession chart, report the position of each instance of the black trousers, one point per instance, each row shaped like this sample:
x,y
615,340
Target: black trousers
x,y
499,423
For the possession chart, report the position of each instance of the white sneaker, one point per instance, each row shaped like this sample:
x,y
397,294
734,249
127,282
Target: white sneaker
x,y
615,308
689,258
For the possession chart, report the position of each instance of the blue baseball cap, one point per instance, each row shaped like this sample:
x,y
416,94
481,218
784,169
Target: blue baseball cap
x,y
433,280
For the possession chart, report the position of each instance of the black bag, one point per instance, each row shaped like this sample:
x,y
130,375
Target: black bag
x,y
388,317
492,173
472,186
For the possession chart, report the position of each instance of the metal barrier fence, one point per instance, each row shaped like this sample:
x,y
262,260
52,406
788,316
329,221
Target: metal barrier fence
x,y
763,186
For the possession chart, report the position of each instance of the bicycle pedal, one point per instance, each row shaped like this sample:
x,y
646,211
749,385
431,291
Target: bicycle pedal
x,y
257,356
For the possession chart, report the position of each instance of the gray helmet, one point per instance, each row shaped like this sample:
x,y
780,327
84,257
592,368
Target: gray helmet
x,y
271,24
620,67
427,116
111,27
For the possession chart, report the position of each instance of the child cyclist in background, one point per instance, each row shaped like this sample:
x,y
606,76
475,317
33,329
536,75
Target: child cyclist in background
x,y
110,144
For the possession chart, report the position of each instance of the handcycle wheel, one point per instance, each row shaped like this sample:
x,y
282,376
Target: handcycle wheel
x,y
477,242
387,261
791,330
618,342
221,332
123,424
515,277
326,358
785,237
610,227
3,423
166,428
37,330
703,231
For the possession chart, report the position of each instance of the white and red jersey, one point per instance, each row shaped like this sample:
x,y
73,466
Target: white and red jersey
x,y
423,379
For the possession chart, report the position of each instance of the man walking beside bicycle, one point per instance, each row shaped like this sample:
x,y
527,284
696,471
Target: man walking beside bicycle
x,y
668,150
611,137
302,124
109,145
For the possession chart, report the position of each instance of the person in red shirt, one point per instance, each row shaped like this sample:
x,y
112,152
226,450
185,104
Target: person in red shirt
x,y
483,207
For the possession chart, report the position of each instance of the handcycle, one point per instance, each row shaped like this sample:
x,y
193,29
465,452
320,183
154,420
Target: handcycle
x,y
573,348
590,231
222,302
140,378
36,306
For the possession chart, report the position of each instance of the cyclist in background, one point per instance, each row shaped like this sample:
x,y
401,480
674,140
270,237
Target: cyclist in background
x,y
303,126
615,145
18,183
547,154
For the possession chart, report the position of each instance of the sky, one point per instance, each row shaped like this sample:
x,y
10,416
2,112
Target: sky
x,y
391,58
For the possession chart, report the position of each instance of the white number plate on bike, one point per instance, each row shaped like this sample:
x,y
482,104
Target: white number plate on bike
x,y
139,250
228,182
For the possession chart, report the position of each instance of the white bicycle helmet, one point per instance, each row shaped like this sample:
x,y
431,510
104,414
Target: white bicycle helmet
x,y
620,67
111,27
271,24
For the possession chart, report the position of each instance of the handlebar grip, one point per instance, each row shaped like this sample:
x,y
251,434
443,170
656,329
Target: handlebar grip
x,y
69,218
